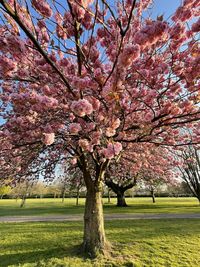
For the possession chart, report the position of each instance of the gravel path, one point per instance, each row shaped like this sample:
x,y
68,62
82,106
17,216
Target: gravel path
x,y
108,217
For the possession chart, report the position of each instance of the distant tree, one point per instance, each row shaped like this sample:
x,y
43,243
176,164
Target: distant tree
x,y
147,163
54,189
22,190
179,189
4,190
153,179
119,179
190,169
39,189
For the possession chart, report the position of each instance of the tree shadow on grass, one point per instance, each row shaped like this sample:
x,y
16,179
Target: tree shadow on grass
x,y
151,208
36,256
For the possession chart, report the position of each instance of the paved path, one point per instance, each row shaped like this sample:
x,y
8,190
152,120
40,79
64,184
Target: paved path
x,y
108,217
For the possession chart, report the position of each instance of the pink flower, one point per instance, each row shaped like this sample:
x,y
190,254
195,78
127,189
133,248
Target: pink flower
x,y
84,144
42,7
130,54
112,150
75,128
82,107
94,102
110,132
49,138
73,161
95,137
7,66
116,123
196,26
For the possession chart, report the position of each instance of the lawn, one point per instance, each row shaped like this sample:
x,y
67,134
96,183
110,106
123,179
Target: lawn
x,y
142,243
136,205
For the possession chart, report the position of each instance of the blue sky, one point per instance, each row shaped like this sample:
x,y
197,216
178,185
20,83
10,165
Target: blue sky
x,y
166,7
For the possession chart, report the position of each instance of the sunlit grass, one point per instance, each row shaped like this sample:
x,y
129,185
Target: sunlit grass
x,y
142,243
46,207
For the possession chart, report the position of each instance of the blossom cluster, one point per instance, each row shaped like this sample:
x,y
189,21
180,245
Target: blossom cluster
x,y
82,107
42,7
153,32
112,150
49,138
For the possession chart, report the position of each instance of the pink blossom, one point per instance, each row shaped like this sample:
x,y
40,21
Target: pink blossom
x,y
130,54
94,102
82,107
196,26
112,150
84,144
110,132
152,33
49,138
7,66
74,128
96,136
42,7
116,123
73,161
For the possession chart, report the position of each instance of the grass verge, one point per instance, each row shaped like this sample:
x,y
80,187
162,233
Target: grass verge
x,y
142,243
136,205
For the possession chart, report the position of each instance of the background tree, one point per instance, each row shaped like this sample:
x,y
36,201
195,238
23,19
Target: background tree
x,y
22,190
4,190
190,169
119,179
39,189
86,78
147,164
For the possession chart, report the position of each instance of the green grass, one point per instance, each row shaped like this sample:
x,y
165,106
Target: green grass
x,y
142,243
136,205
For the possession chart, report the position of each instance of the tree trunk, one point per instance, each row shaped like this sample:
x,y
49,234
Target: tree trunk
x,y
94,240
109,195
2,196
23,202
153,196
77,197
121,201
63,196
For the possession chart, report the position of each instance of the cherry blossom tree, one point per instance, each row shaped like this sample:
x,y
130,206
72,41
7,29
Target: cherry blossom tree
x,y
153,180
84,78
147,164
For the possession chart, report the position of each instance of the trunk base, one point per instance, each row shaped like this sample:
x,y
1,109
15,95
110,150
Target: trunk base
x,y
93,251
122,205
121,201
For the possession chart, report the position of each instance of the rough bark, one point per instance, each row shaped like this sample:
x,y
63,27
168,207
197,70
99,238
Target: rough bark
x,y
23,202
120,190
94,241
121,201
109,195
153,196
63,196
77,197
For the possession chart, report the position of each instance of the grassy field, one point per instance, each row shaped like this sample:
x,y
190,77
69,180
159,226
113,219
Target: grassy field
x,y
141,243
144,243
136,205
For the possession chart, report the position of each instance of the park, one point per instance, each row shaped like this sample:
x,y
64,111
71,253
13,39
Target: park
x,y
162,242
99,133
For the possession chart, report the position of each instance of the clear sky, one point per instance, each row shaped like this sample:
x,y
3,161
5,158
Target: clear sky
x,y
166,7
